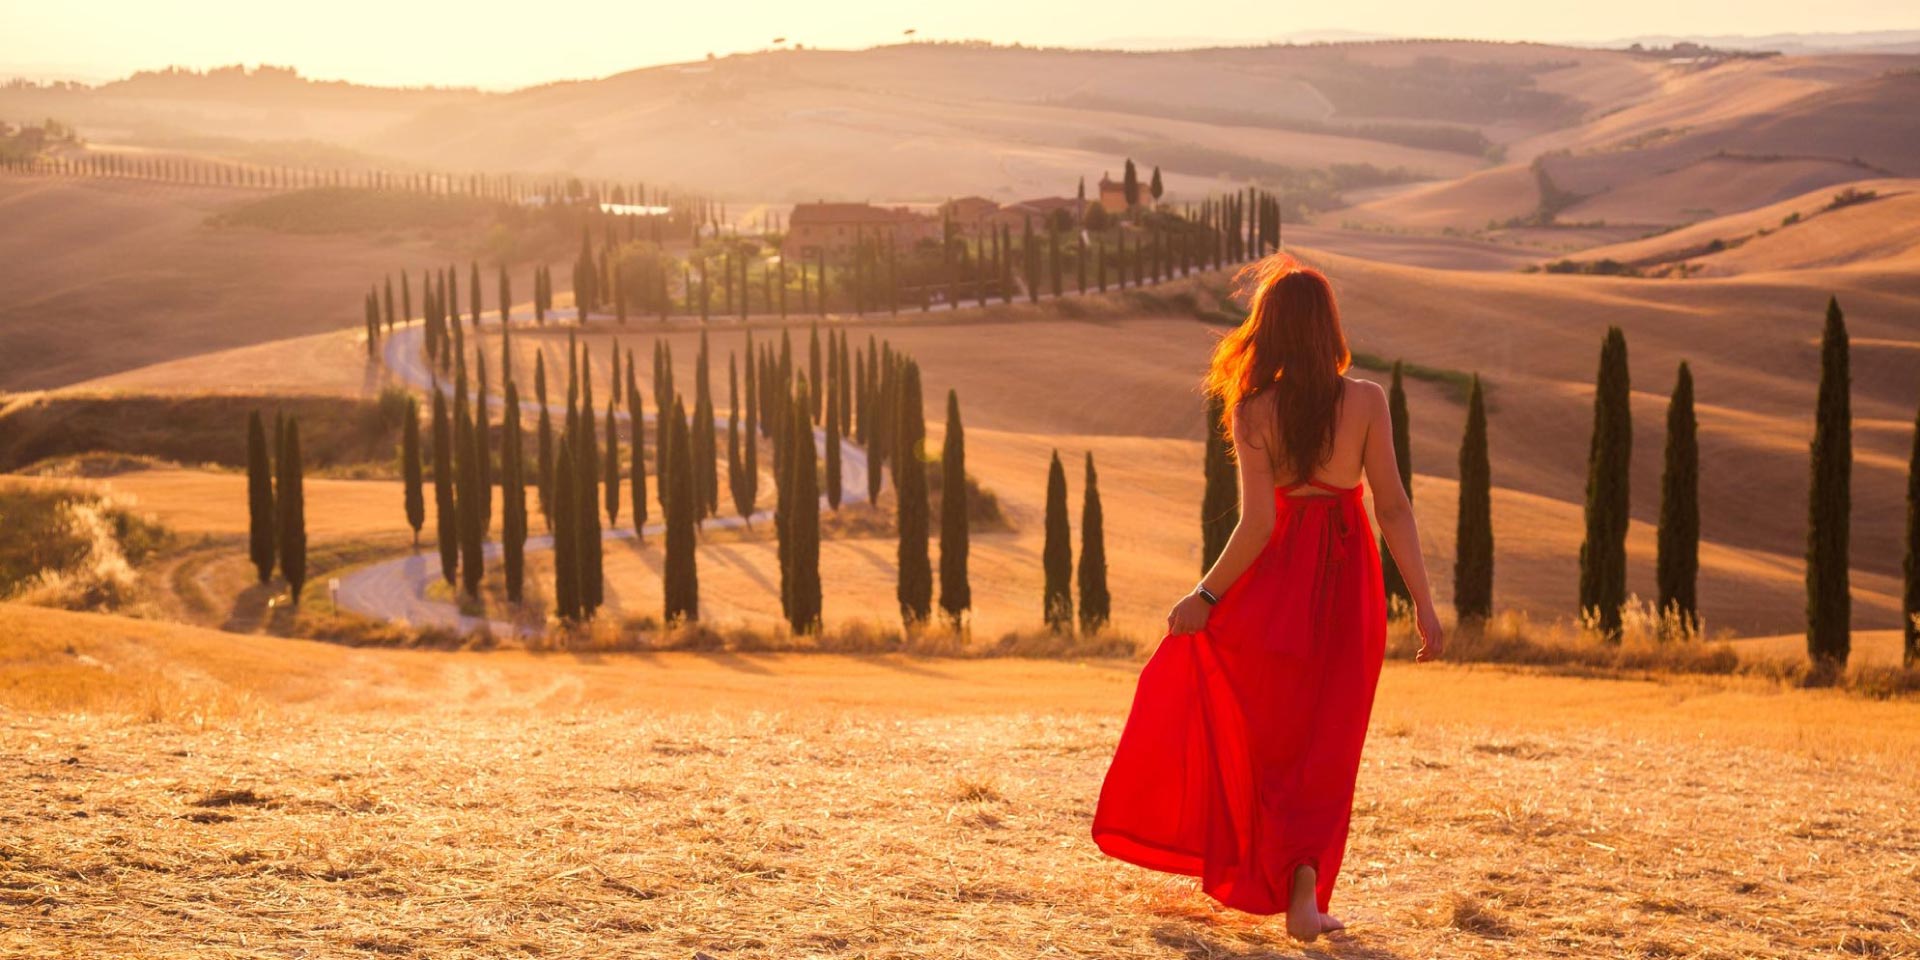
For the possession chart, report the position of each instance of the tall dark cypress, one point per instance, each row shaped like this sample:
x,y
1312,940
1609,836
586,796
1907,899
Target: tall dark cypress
x,y
467,468
416,502
566,534
910,487
735,473
611,473
1829,502
1473,535
513,497
543,477
956,591
1096,605
445,506
1603,555
637,456
482,441
1220,500
750,443
1396,584
506,296
586,457
1910,568
682,581
706,441
1679,559
291,504
803,602
814,372
261,519
845,389
1056,555
833,446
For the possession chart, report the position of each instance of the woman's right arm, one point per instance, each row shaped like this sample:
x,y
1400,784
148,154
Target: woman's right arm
x,y
1394,512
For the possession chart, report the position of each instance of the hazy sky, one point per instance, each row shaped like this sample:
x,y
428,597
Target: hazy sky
x,y
497,45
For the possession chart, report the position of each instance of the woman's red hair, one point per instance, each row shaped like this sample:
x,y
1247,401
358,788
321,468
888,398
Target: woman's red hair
x,y
1292,344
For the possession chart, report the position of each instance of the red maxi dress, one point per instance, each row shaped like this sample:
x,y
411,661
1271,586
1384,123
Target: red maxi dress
x,y
1238,759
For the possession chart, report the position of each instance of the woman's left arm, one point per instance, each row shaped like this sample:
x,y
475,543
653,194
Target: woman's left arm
x,y
1250,534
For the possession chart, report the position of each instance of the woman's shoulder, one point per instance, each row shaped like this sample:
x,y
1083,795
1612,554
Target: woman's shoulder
x,y
1368,391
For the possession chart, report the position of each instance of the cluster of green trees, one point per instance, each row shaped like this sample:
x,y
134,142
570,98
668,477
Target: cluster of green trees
x,y
277,502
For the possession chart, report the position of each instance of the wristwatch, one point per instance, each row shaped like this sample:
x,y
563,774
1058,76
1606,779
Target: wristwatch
x,y
1206,594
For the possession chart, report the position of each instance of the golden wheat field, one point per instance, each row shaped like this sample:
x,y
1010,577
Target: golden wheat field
x,y
182,793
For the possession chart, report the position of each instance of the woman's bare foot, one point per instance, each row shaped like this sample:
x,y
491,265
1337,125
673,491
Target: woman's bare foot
x,y
1305,922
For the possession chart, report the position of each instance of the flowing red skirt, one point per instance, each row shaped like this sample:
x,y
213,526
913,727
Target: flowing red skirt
x,y
1238,759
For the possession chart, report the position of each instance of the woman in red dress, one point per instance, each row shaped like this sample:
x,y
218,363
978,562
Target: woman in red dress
x,y
1238,760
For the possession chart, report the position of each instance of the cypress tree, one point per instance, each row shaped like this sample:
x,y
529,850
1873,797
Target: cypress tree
x,y
637,457
662,401
735,472
506,296
543,478
881,378
482,442
261,519
682,580
956,591
445,507
473,287
1057,554
1829,502
1130,185
1603,555
291,503
1096,605
1679,559
612,469
1910,594
783,428
910,488
566,534
803,605
833,446
1220,501
845,389
1473,537
706,441
814,372
467,468
1396,585
586,456
513,498
416,501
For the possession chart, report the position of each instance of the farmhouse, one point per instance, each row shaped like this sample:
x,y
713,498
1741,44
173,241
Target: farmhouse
x,y
833,228
1113,194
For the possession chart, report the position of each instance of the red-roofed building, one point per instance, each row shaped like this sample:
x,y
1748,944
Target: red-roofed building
x,y
833,228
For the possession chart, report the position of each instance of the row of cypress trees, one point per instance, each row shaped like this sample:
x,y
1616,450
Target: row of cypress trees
x,y
277,502
1677,563
1056,555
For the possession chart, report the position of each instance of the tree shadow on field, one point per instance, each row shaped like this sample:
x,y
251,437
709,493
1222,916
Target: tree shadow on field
x,y
1198,946
733,559
906,663
734,661
249,609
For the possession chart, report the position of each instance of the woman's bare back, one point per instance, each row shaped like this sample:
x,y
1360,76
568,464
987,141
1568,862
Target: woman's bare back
x,y
1361,403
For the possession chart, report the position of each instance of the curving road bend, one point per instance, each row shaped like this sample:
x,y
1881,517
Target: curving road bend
x,y
396,590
